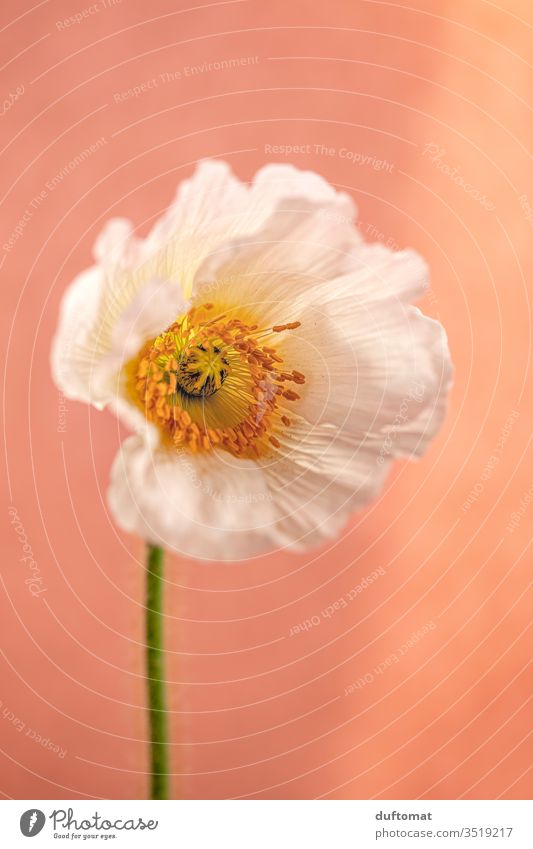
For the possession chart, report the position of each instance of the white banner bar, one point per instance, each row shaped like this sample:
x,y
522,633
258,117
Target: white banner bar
x,y
441,824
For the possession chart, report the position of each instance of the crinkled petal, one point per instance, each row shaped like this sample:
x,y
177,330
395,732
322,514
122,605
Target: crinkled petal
x,y
375,366
117,246
216,507
300,226
320,476
74,348
210,506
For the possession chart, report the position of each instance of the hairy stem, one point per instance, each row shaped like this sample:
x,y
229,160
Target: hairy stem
x,y
155,676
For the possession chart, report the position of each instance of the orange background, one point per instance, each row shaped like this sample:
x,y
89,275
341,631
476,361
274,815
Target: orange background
x,y
256,712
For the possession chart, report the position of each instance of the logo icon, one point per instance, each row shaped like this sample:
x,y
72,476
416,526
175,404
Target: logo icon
x,y
32,822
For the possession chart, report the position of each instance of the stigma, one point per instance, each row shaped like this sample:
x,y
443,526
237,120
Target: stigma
x,y
202,369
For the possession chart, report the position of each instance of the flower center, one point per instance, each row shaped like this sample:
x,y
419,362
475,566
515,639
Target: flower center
x,y
202,369
216,382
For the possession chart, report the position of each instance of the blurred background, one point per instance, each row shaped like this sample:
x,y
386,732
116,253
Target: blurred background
x,y
418,688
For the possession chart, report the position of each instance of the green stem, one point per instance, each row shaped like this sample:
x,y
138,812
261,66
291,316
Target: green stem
x,y
155,673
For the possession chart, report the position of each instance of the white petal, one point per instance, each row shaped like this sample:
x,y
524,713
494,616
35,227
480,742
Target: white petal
x,y
74,348
319,477
294,224
117,246
215,220
205,203
215,506
375,365
210,506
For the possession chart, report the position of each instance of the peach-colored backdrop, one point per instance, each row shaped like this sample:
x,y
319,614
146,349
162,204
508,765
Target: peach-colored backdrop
x,y
419,110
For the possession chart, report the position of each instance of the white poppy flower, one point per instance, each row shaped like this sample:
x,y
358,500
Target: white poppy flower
x,y
270,362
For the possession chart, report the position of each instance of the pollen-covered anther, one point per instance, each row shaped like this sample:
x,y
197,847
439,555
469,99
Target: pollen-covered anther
x,y
292,325
209,382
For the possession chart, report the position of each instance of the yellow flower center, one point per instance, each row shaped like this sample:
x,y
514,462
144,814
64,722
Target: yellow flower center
x,y
213,382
